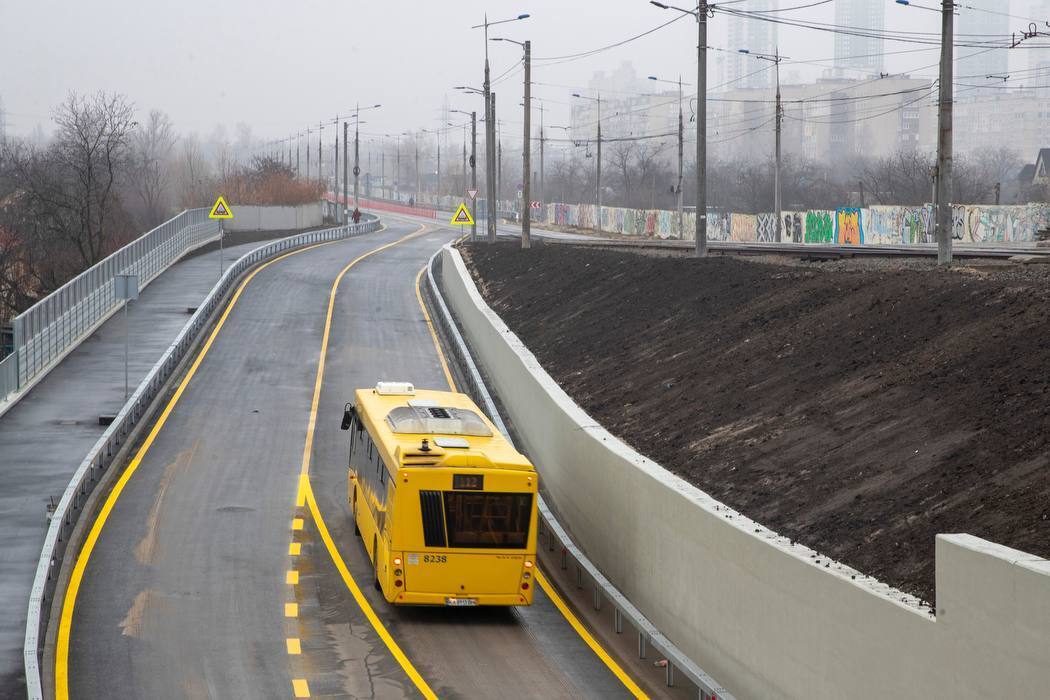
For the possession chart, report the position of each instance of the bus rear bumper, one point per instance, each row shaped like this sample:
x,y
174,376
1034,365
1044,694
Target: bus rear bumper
x,y
512,599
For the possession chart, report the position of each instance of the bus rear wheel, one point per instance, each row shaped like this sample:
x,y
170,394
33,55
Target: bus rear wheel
x,y
357,528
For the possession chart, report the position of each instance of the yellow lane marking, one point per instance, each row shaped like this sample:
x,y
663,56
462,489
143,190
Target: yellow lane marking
x,y
292,577
586,636
294,645
291,610
301,688
315,402
362,602
433,333
294,548
297,523
77,576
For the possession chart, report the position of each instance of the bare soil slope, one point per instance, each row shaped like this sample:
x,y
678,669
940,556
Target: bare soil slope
x,y
858,407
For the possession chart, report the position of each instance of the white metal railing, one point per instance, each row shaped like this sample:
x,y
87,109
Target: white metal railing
x,y
109,444
555,535
58,322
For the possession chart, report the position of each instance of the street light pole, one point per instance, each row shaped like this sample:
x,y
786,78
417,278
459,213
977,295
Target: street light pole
x,y
776,58
490,128
944,136
346,158
681,156
526,156
598,169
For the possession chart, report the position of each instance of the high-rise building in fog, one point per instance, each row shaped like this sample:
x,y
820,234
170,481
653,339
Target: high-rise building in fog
x,y
755,35
974,65
859,55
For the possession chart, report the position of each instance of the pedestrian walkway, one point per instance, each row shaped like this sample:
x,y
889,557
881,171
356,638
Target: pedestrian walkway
x,y
45,436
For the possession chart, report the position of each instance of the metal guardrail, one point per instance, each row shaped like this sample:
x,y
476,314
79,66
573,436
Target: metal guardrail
x,y
101,456
557,538
56,323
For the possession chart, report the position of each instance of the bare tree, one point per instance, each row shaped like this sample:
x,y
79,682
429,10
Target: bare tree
x,y
72,184
903,178
152,145
193,174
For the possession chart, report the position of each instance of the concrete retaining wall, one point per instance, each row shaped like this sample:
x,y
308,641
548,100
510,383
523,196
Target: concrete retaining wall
x,y
768,618
247,217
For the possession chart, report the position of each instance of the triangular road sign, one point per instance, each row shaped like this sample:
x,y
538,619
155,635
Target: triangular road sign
x,y
462,216
221,210
473,194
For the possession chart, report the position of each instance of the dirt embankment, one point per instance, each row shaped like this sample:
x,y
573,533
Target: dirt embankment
x,y
859,407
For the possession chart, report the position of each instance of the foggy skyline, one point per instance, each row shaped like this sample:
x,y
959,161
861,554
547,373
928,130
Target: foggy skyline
x,y
280,68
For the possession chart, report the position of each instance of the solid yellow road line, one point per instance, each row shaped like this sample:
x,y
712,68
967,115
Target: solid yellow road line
x,y
316,401
586,636
301,688
294,645
291,610
589,639
362,602
294,548
76,577
433,333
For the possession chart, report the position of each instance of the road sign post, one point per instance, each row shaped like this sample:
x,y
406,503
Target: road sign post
x,y
221,211
126,287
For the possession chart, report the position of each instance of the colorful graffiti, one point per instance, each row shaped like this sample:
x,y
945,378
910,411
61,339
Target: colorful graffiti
x,y
878,225
743,227
820,227
848,229
766,227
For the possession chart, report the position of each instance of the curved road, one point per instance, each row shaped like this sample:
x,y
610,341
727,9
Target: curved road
x,y
209,578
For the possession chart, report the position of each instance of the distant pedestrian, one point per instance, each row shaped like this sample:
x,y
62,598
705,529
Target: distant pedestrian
x,y
357,215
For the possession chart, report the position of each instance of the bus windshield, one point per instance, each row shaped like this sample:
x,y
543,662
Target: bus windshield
x,y
493,520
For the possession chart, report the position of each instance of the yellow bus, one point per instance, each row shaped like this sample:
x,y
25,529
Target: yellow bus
x,y
446,507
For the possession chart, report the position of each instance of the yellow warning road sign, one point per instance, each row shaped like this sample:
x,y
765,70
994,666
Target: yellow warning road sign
x,y
221,210
462,216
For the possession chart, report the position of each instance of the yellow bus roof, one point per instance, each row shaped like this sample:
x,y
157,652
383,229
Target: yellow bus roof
x,y
403,449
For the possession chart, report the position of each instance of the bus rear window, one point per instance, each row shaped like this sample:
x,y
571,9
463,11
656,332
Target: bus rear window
x,y
492,520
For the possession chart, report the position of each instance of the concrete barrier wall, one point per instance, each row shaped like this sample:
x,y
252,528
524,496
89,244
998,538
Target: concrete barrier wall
x,y
247,217
768,618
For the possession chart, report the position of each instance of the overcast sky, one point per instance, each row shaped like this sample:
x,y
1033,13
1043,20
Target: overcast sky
x,y
281,65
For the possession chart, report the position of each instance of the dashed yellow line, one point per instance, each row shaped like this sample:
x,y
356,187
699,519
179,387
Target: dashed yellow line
x,y
297,523
294,645
292,577
359,597
301,688
304,494
291,610
294,549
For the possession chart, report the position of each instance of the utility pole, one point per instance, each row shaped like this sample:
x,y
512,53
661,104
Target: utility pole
x,y
777,194
474,175
357,153
944,136
598,183
307,153
415,138
438,140
681,163
397,177
335,167
701,130
320,155
492,203
526,155
499,153
298,172
543,182
346,158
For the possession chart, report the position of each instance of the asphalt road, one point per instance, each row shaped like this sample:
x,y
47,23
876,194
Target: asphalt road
x,y
186,592
44,437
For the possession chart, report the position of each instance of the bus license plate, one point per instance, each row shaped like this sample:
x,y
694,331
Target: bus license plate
x,y
461,602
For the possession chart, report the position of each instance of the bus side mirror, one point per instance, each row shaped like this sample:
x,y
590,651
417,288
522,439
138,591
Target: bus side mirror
x,y
348,417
